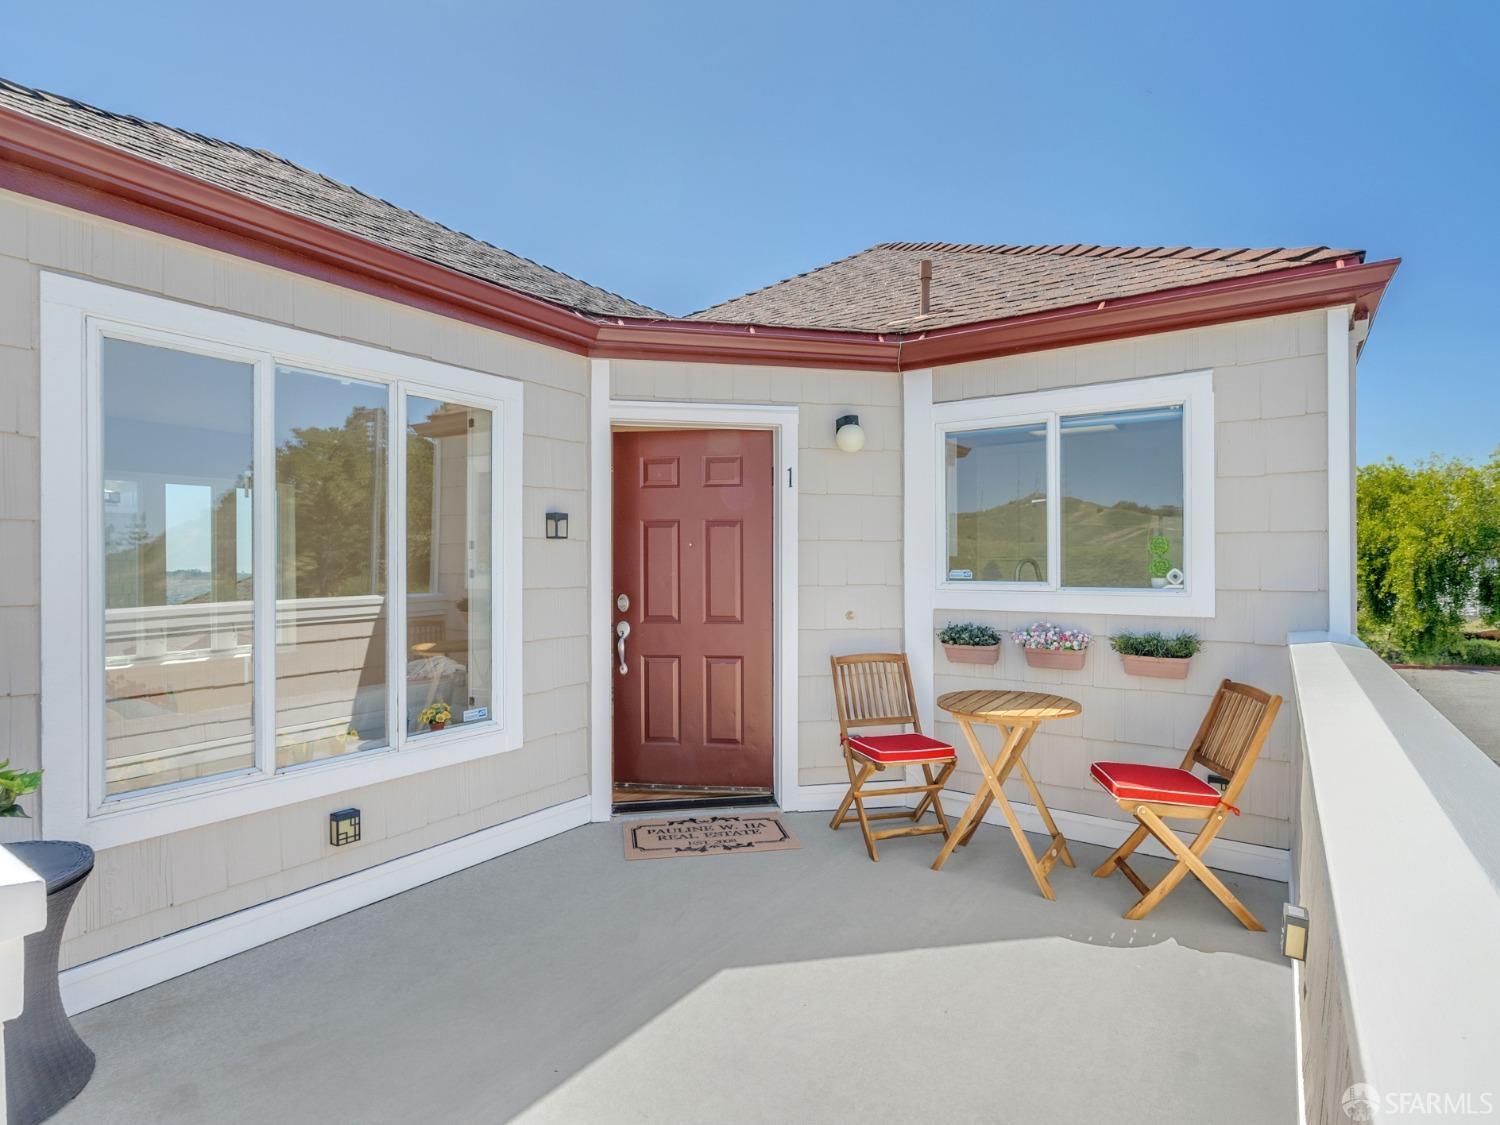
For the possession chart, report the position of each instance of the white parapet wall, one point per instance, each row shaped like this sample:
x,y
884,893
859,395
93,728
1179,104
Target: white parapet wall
x,y
1398,863
23,910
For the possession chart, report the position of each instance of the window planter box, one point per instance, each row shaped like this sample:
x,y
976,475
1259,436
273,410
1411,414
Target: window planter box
x,y
972,654
1063,660
1159,667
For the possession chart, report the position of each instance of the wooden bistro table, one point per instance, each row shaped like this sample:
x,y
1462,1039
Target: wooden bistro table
x,y
1017,714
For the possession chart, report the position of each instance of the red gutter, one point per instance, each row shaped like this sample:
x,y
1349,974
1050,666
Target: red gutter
x,y
57,165
1299,289
705,341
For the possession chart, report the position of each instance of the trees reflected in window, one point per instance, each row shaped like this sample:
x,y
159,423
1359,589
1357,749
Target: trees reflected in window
x,y
332,693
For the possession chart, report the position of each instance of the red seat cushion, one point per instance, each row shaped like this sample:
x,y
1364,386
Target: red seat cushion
x,y
900,748
1163,785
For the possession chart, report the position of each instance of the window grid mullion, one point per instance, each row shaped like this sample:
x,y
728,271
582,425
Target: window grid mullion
x,y
263,577
498,564
396,642
1054,502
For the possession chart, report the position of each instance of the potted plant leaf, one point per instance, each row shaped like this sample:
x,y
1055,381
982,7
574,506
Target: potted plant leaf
x,y
436,715
1050,646
1164,656
970,642
14,784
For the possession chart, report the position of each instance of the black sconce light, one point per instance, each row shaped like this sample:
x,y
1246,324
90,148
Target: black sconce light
x,y
557,525
343,827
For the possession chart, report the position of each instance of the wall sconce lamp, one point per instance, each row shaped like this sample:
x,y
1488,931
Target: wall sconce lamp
x,y
343,827
848,434
1294,932
557,525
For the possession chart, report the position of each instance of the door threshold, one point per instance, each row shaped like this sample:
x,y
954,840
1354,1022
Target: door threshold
x,y
640,799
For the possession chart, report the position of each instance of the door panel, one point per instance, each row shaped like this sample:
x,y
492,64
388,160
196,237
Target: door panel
x,y
693,553
661,685
724,580
724,698
661,562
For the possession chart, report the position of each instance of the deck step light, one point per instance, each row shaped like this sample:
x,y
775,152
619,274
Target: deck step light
x,y
557,525
1294,931
343,827
848,434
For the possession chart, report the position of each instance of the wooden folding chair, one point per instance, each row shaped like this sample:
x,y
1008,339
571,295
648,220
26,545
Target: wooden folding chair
x,y
873,689
1227,743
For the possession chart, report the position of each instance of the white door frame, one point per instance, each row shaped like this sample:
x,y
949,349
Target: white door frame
x,y
781,421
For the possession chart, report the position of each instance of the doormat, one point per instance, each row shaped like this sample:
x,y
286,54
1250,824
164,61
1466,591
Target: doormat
x,y
707,835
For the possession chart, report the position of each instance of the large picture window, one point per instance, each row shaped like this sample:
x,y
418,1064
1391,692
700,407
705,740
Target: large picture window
x,y
257,622
1092,498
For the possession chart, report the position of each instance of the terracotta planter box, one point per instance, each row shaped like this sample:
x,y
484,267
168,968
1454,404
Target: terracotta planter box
x,y
1065,660
973,654
1161,667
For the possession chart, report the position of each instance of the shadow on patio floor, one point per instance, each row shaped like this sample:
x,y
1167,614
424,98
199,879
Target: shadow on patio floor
x,y
783,986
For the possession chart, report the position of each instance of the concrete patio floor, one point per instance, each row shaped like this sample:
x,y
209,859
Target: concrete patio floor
x,y
1468,697
563,984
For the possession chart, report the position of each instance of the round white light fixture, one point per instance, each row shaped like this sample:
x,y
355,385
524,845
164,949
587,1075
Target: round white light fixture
x,y
848,434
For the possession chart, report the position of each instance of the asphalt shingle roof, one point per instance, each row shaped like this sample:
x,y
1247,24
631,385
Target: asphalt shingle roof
x,y
879,290
270,179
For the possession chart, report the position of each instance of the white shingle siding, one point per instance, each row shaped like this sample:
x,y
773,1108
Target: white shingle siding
x,y
144,890
849,568
1271,524
1271,511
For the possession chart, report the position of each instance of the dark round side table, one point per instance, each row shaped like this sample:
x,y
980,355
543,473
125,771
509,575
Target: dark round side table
x,y
46,1064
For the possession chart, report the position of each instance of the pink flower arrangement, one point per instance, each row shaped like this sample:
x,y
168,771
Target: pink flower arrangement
x,y
1048,637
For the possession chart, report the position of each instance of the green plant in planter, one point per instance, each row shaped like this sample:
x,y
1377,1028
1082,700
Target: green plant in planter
x,y
13,784
971,633
1174,646
1160,566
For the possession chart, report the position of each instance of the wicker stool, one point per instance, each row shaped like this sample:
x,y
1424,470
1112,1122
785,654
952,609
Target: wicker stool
x,y
46,1064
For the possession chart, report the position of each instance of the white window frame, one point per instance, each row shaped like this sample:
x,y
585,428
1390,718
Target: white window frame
x,y
74,315
1193,391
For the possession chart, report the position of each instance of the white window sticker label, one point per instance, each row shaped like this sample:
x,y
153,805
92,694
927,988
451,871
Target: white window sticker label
x,y
956,575
473,714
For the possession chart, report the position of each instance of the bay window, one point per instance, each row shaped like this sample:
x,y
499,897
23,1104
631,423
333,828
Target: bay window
x,y
237,614
1097,499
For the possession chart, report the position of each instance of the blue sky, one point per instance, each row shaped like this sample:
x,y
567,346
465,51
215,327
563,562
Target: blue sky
x,y
683,153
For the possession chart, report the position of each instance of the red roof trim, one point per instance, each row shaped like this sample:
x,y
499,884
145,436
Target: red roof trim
x,y
171,199
705,341
1297,289
55,164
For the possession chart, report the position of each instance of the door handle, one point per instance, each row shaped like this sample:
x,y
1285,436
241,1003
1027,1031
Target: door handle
x,y
622,630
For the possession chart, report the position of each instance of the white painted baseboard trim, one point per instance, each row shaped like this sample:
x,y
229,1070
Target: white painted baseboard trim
x,y
821,798
1085,828
119,974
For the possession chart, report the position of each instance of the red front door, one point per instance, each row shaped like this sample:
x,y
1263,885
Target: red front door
x,y
692,546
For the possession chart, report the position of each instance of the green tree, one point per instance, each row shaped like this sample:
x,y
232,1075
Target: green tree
x,y
1429,552
332,485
